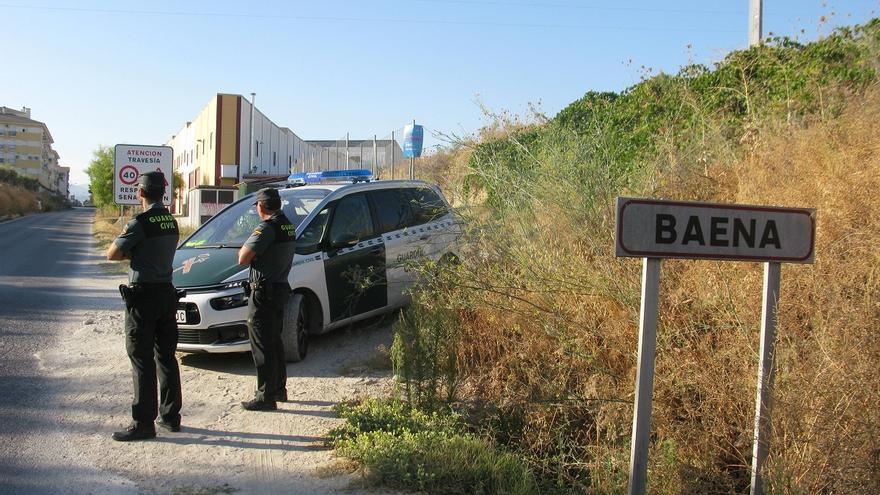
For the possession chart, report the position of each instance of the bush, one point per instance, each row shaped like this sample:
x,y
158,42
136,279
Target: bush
x,y
405,448
542,320
424,355
11,177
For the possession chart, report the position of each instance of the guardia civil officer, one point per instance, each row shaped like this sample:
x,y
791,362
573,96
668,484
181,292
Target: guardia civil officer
x,y
149,241
269,252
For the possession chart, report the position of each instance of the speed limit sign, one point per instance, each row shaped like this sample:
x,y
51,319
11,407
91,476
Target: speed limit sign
x,y
128,175
132,160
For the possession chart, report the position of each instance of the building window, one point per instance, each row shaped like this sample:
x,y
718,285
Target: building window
x,y
12,133
257,147
273,158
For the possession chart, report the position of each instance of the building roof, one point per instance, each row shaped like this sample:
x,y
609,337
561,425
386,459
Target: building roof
x,y
8,118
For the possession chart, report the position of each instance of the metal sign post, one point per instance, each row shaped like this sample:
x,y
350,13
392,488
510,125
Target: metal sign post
x,y
641,430
766,372
652,230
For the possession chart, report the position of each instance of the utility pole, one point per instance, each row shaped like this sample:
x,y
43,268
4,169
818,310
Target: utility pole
x,y
755,22
346,151
392,155
251,138
375,167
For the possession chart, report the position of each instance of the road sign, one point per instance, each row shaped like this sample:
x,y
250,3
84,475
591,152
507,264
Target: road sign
x,y
653,229
677,229
413,137
132,160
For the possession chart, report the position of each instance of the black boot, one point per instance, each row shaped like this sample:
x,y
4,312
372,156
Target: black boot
x,y
134,433
259,405
173,427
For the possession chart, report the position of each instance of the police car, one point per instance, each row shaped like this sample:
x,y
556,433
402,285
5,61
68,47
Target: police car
x,y
357,245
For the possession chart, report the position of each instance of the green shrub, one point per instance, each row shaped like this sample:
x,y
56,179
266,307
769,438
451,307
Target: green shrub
x,y
402,447
547,317
424,355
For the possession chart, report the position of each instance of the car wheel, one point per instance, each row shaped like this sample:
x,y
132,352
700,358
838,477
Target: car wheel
x,y
295,333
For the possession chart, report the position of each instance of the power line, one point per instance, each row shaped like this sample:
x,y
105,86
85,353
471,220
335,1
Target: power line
x,y
580,6
358,19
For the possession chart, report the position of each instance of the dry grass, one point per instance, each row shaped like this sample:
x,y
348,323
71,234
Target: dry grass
x,y
550,321
16,200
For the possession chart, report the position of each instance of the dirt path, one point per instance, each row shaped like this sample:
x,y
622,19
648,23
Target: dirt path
x,y
222,448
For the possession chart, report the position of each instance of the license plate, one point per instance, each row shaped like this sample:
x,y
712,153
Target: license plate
x,y
181,316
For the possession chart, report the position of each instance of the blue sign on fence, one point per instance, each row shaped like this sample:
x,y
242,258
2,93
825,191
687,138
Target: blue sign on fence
x,y
413,135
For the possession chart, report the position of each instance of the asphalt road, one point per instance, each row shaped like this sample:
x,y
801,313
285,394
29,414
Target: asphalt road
x,y
49,278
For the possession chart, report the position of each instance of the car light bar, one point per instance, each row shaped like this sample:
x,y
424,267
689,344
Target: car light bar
x,y
357,175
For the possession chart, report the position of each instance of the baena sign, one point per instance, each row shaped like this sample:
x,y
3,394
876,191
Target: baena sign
x,y
676,229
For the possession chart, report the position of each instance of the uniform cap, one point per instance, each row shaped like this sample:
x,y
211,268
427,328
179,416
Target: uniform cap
x,y
269,197
152,180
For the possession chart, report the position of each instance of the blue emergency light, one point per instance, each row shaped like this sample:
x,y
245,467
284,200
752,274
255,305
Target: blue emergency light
x,y
357,175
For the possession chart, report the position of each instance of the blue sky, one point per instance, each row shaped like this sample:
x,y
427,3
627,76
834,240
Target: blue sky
x,y
102,72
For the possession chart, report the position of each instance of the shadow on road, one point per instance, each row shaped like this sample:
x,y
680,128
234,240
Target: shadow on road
x,y
239,439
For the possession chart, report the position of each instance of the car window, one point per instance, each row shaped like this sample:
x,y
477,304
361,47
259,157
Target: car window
x,y
426,205
351,220
309,241
234,225
392,209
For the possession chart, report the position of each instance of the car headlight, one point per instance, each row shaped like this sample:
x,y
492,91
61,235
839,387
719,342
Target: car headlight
x,y
233,284
229,302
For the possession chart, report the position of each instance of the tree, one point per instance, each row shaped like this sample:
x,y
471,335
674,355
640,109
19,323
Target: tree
x,y
177,183
100,171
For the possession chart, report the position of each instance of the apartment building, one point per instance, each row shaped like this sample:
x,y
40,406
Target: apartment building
x,y
26,147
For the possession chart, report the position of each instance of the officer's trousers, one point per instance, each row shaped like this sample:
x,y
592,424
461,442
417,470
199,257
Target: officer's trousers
x,y
151,341
265,322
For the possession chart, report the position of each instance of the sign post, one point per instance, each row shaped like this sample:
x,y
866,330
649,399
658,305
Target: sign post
x,y
652,230
766,372
131,161
638,459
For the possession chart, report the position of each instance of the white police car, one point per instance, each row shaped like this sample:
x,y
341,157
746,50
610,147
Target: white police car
x,y
355,249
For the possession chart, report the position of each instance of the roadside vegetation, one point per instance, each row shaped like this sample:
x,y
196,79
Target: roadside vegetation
x,y
530,343
20,195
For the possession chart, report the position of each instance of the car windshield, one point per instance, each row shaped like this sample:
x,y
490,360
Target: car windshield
x,y
234,225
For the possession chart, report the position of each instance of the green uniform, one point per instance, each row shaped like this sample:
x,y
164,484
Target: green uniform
x,y
272,241
150,325
151,239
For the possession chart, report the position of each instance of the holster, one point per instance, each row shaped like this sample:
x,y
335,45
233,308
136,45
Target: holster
x,y
246,285
127,293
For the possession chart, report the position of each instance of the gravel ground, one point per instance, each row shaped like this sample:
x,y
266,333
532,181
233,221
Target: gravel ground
x,y
221,448
67,384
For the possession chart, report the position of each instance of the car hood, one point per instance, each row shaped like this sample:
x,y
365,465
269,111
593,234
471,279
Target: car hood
x,y
199,267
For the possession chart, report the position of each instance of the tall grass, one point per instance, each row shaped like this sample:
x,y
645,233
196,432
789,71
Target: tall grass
x,y
541,319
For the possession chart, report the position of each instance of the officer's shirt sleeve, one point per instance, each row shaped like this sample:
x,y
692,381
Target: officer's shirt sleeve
x,y
130,236
261,238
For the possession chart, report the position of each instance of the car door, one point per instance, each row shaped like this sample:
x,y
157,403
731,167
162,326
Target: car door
x,y
431,234
354,260
393,215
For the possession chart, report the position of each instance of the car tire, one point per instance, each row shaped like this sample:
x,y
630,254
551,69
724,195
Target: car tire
x,y
295,333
